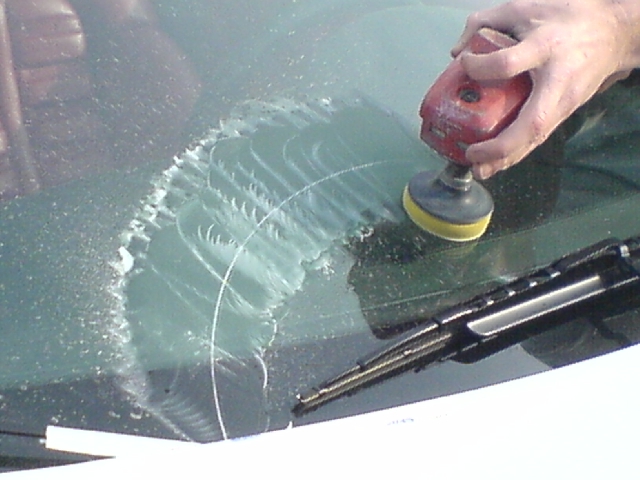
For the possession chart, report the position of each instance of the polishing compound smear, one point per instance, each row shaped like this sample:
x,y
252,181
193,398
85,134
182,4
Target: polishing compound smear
x,y
458,214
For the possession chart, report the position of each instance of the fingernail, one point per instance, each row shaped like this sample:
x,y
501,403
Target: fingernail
x,y
481,172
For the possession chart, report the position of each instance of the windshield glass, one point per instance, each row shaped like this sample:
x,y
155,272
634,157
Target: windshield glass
x,y
193,297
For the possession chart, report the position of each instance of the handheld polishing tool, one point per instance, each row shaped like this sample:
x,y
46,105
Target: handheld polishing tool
x,y
456,112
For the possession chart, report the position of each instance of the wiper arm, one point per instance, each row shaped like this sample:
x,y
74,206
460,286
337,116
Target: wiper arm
x,y
494,320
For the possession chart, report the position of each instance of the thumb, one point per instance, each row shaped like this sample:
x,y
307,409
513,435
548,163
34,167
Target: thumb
x,y
505,63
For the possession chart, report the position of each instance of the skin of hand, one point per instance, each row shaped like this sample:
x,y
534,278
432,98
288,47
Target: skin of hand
x,y
572,50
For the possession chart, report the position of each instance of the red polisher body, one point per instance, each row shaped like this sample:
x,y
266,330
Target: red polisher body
x,y
458,111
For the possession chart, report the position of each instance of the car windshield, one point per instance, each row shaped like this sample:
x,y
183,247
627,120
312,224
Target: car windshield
x,y
202,214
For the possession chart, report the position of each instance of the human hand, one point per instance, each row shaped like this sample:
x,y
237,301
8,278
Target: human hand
x,y
572,49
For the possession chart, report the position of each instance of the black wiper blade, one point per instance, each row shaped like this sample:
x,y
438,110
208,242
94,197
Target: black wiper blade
x,y
491,321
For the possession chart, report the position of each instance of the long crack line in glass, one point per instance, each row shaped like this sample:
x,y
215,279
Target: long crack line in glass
x,y
225,280
275,199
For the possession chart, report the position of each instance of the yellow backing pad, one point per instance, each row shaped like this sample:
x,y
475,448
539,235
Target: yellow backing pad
x,y
440,228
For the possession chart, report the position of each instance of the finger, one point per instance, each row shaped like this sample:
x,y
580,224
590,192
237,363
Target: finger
x,y
510,147
493,156
497,18
506,63
465,37
555,95
539,116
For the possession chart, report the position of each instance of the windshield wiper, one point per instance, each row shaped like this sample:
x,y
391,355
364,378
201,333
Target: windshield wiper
x,y
494,320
